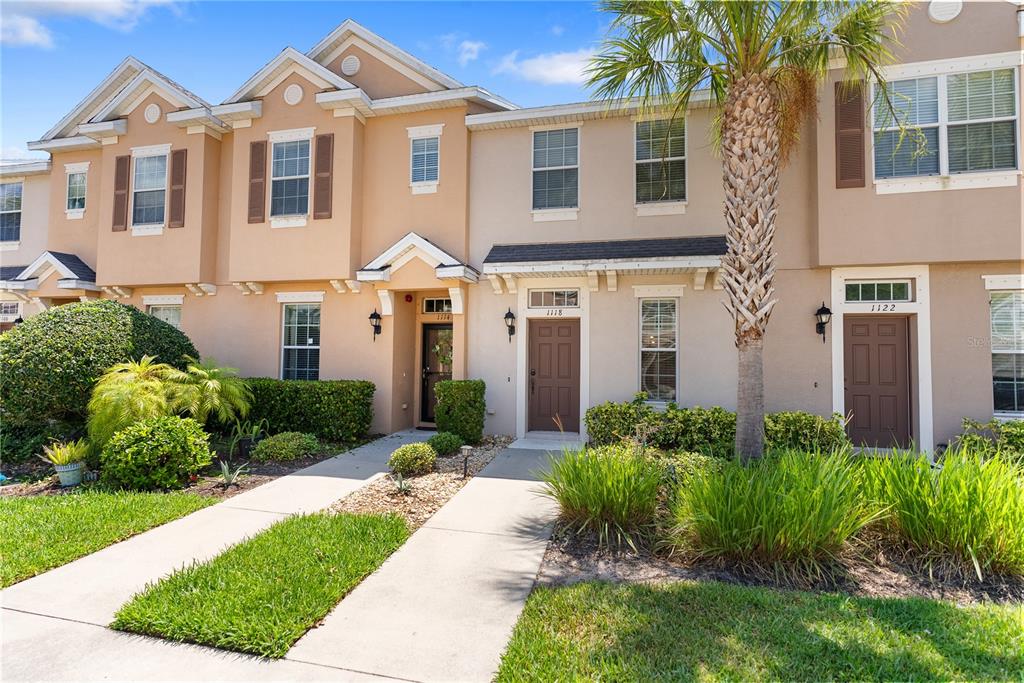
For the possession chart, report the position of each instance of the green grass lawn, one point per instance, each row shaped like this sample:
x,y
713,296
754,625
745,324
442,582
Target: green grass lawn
x,y
42,532
714,631
261,595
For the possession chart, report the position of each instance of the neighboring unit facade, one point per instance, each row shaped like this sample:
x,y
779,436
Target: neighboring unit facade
x,y
351,212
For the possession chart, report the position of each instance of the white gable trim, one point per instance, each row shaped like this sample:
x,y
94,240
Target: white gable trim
x,y
396,255
121,73
45,263
130,97
387,59
314,71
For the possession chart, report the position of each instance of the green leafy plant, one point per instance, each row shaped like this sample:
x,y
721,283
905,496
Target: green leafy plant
x,y
334,410
21,442
285,446
461,408
127,393
402,485
156,453
967,514
49,363
412,459
445,443
208,390
1003,437
789,514
229,475
611,491
246,434
65,453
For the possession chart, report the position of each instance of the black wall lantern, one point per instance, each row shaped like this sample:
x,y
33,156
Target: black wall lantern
x,y
823,315
510,323
375,323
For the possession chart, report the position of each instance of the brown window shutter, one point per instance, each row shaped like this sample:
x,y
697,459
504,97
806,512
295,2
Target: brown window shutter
x,y
257,181
177,203
850,134
323,176
122,170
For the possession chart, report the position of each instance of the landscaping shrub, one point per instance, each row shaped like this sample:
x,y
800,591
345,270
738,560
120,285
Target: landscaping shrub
x,y
334,410
18,443
610,490
707,430
412,459
681,466
461,408
158,453
791,512
49,363
968,513
285,446
445,443
208,390
127,393
1005,437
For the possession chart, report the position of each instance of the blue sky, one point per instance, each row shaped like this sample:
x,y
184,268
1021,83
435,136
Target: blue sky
x,y
53,52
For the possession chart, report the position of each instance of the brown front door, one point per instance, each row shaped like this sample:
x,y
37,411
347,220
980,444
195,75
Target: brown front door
x,y
437,366
554,381
876,356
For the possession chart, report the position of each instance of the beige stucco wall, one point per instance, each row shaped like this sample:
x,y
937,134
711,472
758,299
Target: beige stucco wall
x,y
35,206
377,79
78,236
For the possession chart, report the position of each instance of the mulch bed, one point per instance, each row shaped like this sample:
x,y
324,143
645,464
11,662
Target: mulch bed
x,y
872,572
427,493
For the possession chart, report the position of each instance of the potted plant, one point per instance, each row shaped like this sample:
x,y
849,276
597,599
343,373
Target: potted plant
x,y
66,459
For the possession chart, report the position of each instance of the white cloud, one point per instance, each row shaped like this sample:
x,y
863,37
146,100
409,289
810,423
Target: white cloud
x,y
557,30
553,68
22,22
470,50
20,30
448,40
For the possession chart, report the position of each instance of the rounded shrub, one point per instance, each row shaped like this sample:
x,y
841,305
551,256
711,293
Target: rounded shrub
x,y
159,453
445,443
50,362
285,446
412,459
461,408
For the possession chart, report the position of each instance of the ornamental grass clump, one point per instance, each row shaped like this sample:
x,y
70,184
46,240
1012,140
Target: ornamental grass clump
x,y
965,515
611,491
789,515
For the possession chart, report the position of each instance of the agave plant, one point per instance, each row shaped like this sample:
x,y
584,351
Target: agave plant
x,y
229,475
206,389
129,392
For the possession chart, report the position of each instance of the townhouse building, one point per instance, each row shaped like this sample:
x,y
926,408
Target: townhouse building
x,y
351,212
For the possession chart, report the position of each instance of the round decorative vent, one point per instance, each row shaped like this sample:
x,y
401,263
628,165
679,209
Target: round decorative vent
x,y
941,11
152,113
293,94
350,65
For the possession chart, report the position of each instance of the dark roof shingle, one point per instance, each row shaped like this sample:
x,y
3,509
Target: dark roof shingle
x,y
76,265
609,249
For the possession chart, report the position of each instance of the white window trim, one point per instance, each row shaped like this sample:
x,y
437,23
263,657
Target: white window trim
x,y
69,169
677,298
150,307
11,245
148,229
920,307
301,297
293,220
437,298
964,180
658,291
893,281
318,347
562,213
10,317
425,133
667,207
552,307
163,299
1002,283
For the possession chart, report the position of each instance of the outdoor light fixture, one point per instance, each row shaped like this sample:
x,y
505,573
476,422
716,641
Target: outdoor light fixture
x,y
823,315
510,323
375,323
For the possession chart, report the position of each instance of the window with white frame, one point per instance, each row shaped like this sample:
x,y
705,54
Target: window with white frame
x,y
967,122
169,313
437,305
300,358
658,348
10,212
424,163
556,169
289,187
1007,313
149,190
9,308
887,290
76,191
660,161
554,298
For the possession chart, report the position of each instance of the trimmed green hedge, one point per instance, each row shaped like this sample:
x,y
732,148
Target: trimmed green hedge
x,y
334,410
285,446
445,443
159,453
707,430
461,407
50,362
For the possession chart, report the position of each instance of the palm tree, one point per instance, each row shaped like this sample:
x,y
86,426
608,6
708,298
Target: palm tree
x,y
206,389
126,393
762,63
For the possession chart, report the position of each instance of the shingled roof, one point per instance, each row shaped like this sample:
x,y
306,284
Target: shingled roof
x,y
668,247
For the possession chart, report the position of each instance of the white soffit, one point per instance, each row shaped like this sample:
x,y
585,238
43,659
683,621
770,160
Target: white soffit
x,y
289,58
567,113
24,168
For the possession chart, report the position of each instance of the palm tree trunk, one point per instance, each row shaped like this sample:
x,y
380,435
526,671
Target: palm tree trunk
x,y
750,174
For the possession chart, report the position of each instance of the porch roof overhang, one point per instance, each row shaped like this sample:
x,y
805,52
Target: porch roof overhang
x,y
446,266
74,273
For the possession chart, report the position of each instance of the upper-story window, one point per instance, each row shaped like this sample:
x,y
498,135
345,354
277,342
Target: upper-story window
x,y
424,166
76,192
968,122
660,161
10,212
556,169
149,190
289,188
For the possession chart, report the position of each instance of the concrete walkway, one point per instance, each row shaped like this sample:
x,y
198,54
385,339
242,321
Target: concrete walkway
x,y
443,607
54,624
